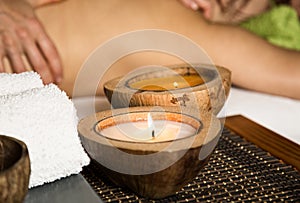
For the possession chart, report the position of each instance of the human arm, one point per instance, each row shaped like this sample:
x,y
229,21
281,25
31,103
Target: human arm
x,y
23,36
255,64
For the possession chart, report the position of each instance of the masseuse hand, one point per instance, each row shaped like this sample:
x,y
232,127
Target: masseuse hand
x,y
22,35
228,11
203,5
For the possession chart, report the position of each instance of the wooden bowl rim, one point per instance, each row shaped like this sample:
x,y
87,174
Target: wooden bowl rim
x,y
23,155
110,85
206,134
144,142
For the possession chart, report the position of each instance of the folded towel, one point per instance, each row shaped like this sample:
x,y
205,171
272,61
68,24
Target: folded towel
x,y
16,83
279,26
45,119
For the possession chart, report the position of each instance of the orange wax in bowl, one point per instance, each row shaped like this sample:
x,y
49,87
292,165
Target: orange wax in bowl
x,y
168,83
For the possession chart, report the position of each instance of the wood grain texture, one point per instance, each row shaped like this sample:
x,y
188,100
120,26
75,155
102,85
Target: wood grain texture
x,y
150,169
14,170
275,144
208,97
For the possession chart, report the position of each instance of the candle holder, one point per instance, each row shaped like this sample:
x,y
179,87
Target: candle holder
x,y
14,170
151,168
201,87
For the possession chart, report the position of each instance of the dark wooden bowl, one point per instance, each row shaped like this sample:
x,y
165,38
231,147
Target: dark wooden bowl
x,y
14,170
150,169
208,97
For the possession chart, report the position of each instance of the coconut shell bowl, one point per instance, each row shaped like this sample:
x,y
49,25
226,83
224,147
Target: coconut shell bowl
x,y
152,151
197,86
14,170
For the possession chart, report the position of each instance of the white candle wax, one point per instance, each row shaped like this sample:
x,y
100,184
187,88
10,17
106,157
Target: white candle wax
x,y
164,130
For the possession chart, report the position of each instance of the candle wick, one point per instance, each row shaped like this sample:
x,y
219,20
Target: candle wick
x,y
153,134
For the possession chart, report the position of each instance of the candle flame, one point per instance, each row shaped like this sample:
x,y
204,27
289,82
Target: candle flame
x,y
150,120
175,84
151,126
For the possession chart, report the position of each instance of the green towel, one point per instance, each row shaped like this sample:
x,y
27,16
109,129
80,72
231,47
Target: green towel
x,y
279,26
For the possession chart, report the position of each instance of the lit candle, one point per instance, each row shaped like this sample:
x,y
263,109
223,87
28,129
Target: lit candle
x,y
168,83
149,131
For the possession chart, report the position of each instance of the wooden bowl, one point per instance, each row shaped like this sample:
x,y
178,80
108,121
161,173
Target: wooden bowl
x,y
14,170
207,96
153,169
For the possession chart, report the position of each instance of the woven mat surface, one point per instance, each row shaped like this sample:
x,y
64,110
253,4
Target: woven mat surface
x,y
238,171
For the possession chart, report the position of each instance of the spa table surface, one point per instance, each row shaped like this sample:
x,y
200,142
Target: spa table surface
x,y
75,189
263,110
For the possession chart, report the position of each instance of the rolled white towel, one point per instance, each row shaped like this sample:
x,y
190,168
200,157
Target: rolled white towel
x,y
16,83
45,119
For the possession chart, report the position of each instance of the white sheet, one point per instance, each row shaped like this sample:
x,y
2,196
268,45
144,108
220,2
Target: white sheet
x,y
280,114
